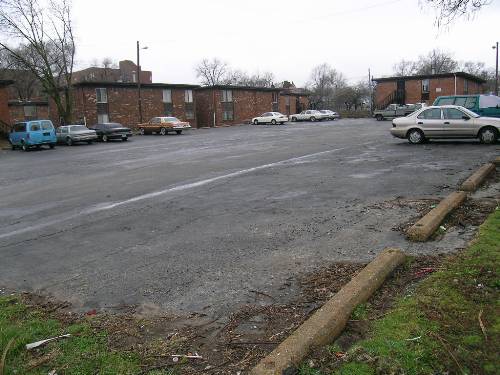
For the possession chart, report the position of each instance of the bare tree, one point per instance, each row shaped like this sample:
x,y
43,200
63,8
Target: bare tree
x,y
449,10
240,78
323,84
38,36
26,86
436,62
211,72
404,68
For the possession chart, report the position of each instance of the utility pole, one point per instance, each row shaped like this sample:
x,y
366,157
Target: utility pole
x,y
370,90
496,71
139,84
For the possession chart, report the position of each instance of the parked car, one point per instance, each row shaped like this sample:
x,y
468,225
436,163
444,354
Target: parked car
x,y
112,130
28,134
270,118
309,115
448,121
70,134
483,105
396,110
163,125
329,115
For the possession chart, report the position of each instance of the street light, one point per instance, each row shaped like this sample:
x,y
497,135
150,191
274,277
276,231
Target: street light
x,y
496,70
139,80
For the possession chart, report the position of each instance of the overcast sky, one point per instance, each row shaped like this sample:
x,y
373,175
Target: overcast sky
x,y
286,37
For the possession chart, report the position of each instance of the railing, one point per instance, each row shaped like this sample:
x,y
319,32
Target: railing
x,y
389,99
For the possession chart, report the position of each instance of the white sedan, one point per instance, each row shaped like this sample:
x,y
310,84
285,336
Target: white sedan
x,y
448,121
309,115
270,118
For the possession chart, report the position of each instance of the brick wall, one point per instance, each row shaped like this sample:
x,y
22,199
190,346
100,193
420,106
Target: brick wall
x,y
247,103
4,110
440,86
122,106
17,112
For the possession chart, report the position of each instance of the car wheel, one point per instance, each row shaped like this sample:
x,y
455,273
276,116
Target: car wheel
x,y
488,136
379,117
313,119
256,122
13,146
69,141
142,131
163,131
273,121
178,132
294,119
52,146
415,136
89,142
125,139
24,147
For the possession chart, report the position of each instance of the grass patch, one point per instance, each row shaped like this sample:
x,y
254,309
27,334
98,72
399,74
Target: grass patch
x,y
86,352
437,329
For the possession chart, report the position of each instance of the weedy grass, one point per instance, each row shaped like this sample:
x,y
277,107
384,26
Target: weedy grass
x,y
85,352
438,329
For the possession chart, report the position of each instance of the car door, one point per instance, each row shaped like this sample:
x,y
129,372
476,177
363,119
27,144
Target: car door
x,y
431,122
457,123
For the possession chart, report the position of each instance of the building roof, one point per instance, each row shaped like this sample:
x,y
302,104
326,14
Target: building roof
x,y
431,76
296,91
134,84
236,87
6,82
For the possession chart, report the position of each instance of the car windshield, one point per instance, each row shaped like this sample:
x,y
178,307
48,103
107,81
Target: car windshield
x,y
170,119
78,128
114,125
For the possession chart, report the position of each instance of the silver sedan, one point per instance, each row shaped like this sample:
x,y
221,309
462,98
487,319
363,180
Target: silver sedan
x,y
448,121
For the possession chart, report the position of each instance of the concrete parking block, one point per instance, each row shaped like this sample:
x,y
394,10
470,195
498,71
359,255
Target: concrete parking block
x,y
329,321
427,225
474,181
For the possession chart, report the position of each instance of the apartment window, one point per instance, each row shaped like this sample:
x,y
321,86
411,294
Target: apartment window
x,y
101,95
30,112
466,87
168,107
425,86
275,102
188,96
227,96
102,118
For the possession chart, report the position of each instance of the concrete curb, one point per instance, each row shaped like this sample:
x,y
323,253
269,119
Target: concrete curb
x,y
497,161
427,225
474,181
329,321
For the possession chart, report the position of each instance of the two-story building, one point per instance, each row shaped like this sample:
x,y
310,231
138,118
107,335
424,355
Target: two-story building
x,y
98,102
221,105
424,88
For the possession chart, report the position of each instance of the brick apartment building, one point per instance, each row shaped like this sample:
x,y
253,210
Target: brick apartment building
x,y
229,105
118,102
126,72
4,107
293,101
425,88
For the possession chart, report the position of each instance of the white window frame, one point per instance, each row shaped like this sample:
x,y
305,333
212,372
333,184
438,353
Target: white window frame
x,y
227,96
167,96
99,97
188,96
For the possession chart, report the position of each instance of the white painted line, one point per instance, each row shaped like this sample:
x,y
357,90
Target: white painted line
x,y
108,206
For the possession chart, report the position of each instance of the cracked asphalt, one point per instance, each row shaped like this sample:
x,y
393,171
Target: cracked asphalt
x,y
195,223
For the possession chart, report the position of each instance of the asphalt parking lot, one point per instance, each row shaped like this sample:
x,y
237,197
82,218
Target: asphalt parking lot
x,y
194,222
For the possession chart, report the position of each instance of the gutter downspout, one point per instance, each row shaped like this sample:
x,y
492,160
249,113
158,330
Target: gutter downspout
x,y
455,75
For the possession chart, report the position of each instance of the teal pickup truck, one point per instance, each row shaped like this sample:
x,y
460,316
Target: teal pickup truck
x,y
483,105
